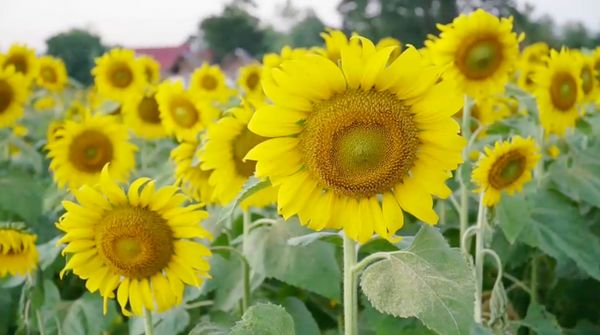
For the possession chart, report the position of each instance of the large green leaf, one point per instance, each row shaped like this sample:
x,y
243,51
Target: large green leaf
x,y
304,323
541,321
84,316
173,321
304,266
265,319
21,196
512,214
429,281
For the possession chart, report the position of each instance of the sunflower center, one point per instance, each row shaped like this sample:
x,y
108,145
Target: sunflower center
x,y
586,79
19,62
148,110
360,143
90,151
209,83
479,59
563,91
507,169
48,74
121,75
148,73
245,141
252,80
6,96
135,242
184,113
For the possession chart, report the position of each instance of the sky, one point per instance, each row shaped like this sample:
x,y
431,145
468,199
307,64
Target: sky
x,y
155,23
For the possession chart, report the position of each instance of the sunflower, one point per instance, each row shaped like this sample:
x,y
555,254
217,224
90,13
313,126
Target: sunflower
x,y
23,60
390,42
52,73
13,94
118,75
249,80
77,111
142,115
554,151
137,246
190,177
335,41
589,86
227,143
208,82
44,103
478,52
182,115
489,110
18,255
80,150
53,133
559,89
151,69
355,143
505,167
532,57
271,60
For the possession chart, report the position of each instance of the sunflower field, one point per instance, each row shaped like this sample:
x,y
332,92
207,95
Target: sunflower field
x,y
355,187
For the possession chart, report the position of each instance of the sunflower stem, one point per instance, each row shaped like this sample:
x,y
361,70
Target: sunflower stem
x,y
534,279
464,192
350,288
247,222
148,326
479,253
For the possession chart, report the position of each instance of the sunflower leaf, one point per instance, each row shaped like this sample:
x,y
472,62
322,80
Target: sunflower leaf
x,y
264,319
251,186
429,281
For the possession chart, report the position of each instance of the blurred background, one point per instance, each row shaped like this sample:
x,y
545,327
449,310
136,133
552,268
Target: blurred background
x,y
182,34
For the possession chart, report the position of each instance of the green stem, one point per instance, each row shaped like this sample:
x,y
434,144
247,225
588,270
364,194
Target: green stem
x,y
479,253
464,192
247,222
40,322
534,279
350,288
148,322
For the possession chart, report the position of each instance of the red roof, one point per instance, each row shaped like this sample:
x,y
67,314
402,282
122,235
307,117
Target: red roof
x,y
165,56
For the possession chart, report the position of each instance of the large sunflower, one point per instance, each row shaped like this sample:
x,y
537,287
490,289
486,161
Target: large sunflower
x,y
559,89
151,69
227,143
190,177
356,142
137,246
142,115
505,167
478,51
22,59
18,255
249,80
118,75
80,150
209,82
181,114
13,94
52,73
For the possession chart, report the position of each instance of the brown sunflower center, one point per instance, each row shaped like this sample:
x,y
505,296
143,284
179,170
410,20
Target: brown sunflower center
x,y
245,141
184,113
90,151
121,75
208,82
587,82
48,74
135,242
6,96
148,110
597,69
149,73
360,143
507,169
19,62
253,80
480,58
563,91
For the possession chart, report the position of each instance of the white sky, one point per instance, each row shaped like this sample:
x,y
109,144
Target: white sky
x,y
152,23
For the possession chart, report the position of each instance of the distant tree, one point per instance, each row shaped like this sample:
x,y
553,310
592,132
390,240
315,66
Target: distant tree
x,y
576,35
78,49
234,28
306,32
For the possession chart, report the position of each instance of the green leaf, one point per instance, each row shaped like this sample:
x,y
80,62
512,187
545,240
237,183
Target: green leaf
x,y
541,321
84,316
302,266
304,323
512,215
21,195
265,319
173,321
373,322
429,281
208,328
251,186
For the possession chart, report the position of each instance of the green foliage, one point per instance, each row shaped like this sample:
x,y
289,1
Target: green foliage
x,y
21,196
265,319
541,321
306,32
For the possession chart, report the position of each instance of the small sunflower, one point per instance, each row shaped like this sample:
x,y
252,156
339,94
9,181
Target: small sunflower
x,y
478,51
139,246
44,103
589,86
80,150
554,151
227,143
489,110
23,60
559,89
209,82
532,57
249,80
53,133
182,115
142,115
151,69
355,143
52,73
505,167
190,177
18,255
13,94
118,75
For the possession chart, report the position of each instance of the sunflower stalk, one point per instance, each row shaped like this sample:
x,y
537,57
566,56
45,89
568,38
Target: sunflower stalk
x,y
350,288
148,326
479,257
247,222
464,192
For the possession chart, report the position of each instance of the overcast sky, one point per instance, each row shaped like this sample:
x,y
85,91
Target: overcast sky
x,y
150,23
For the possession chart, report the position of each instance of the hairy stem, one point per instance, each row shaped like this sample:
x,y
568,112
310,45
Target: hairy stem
x,y
464,191
350,288
148,326
479,253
